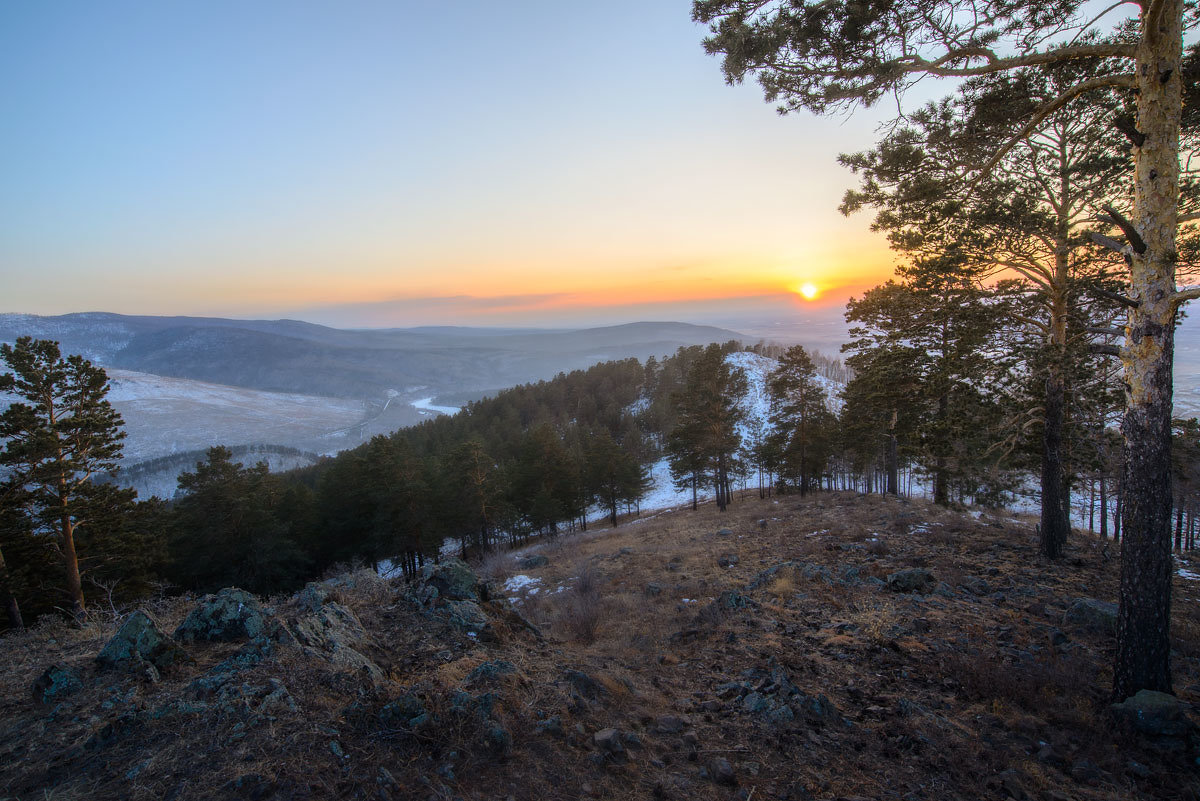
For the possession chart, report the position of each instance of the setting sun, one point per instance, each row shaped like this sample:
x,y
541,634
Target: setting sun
x,y
808,291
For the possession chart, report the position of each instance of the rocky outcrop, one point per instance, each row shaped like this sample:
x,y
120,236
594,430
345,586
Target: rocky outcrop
x,y
452,579
333,632
229,615
139,641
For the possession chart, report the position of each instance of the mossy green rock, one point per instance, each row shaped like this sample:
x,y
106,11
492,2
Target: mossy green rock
x,y
231,614
56,682
139,640
452,578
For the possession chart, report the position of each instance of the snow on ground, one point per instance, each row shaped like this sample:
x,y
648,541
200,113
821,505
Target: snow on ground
x,y
425,405
521,582
168,415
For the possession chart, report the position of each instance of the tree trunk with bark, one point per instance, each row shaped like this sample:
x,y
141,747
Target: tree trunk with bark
x,y
1143,620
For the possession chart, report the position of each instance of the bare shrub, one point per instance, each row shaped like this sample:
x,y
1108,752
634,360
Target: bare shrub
x,y
495,564
580,608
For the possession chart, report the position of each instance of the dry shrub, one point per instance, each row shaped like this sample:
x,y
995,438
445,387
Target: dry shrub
x,y
495,564
1033,686
784,584
580,608
878,620
877,547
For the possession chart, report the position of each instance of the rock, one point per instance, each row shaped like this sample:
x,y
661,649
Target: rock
x,y
725,532
849,574
653,589
727,560
1155,714
1092,615
914,579
1011,781
731,599
551,725
975,585
670,724
943,589
231,614
405,712
720,771
609,741
140,640
490,671
466,615
56,681
1138,769
583,684
335,633
1058,638
536,560
762,523
452,578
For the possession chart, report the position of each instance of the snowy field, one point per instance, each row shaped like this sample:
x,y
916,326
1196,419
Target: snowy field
x,y
168,415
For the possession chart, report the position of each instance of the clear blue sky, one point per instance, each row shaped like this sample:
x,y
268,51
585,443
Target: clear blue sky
x,y
550,160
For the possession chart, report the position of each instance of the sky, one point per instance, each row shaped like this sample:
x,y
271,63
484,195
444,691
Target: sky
x,y
375,164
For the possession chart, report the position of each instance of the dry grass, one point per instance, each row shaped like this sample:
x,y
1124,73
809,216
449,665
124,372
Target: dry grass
x,y
925,681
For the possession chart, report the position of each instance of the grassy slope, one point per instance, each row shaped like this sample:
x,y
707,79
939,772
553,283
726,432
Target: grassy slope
x,y
973,705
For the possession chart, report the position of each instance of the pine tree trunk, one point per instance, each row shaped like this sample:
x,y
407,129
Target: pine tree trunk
x,y
11,607
893,466
1143,620
66,546
1104,509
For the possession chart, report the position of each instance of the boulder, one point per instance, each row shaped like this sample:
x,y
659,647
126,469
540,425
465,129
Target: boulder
x,y
1155,714
609,741
335,633
231,614
720,771
466,615
914,579
728,560
725,532
452,578
56,681
536,560
1092,614
140,641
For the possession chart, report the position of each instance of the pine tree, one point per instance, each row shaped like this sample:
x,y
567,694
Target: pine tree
x,y
60,435
824,54
707,412
804,426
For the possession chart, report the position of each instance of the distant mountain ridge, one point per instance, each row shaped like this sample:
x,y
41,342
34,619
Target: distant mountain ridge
x,y
299,357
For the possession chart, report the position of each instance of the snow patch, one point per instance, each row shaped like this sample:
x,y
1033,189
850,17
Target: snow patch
x,y
427,405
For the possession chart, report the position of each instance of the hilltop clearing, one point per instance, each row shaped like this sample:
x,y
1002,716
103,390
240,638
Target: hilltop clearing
x,y
841,646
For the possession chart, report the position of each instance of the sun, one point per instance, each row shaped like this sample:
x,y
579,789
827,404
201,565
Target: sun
x,y
808,291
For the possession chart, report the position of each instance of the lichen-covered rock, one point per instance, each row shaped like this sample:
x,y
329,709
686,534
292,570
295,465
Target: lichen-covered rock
x,y
56,681
230,614
914,579
466,615
536,560
452,578
138,641
1092,614
335,633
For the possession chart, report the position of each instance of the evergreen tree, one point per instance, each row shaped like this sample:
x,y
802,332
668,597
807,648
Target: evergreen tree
x,y
826,54
227,530
61,434
804,426
708,414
